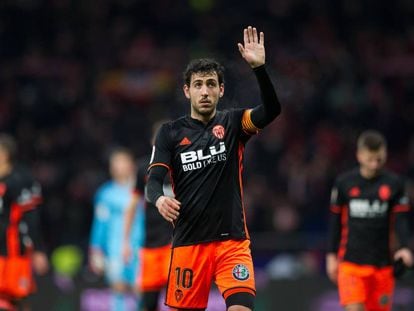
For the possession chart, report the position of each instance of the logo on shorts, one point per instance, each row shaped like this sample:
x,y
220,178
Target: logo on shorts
x,y
240,272
218,131
179,294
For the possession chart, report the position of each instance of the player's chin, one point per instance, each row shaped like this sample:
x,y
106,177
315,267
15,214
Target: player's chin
x,y
206,110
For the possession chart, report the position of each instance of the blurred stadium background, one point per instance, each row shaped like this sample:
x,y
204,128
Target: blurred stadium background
x,y
80,76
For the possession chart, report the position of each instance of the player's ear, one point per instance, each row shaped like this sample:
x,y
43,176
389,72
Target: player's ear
x,y
221,90
186,91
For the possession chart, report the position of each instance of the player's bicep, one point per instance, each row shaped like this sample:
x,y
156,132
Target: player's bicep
x,y
161,150
247,124
401,202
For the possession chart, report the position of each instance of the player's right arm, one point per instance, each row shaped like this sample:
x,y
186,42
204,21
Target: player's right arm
x,y
98,239
334,235
160,163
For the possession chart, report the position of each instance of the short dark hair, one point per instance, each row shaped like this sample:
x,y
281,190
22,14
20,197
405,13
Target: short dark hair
x,y
371,140
203,65
8,144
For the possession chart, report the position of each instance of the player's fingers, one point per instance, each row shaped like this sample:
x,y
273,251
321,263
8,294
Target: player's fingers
x,y
173,205
250,34
174,211
176,201
241,49
245,36
261,41
255,37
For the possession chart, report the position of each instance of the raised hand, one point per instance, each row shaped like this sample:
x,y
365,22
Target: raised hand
x,y
253,50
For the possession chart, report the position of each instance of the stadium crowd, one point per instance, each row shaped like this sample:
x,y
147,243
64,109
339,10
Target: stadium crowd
x,y
79,77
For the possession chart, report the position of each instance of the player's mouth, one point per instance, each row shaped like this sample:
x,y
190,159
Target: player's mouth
x,y
205,103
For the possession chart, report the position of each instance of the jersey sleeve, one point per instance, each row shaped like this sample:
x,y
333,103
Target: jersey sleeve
x,y
401,208
247,124
141,179
29,194
29,201
400,201
161,151
100,223
336,206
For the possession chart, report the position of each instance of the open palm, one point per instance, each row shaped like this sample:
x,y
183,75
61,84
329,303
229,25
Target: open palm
x,y
253,50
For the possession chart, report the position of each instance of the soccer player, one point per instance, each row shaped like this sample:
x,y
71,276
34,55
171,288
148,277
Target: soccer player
x,y
204,153
368,204
20,239
107,228
155,254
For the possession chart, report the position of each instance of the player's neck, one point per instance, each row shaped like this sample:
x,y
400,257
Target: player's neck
x,y
203,118
124,180
368,174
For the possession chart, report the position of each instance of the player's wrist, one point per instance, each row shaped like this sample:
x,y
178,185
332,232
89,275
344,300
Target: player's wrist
x,y
257,66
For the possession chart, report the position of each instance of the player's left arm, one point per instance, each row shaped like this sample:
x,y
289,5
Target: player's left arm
x,y
31,217
253,51
401,208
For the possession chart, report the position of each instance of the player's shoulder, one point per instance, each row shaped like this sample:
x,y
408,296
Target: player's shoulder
x,y
143,161
231,114
168,128
104,189
392,177
348,176
21,175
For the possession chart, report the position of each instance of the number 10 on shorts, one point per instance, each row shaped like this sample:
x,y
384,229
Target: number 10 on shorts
x,y
184,277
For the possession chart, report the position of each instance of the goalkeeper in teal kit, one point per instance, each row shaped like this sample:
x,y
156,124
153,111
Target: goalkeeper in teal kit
x,y
108,225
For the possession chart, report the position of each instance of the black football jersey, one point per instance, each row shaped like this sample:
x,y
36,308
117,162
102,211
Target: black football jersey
x,y
19,194
365,210
206,166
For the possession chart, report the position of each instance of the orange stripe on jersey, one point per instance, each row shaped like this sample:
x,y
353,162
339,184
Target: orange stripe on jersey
x,y
240,155
335,209
159,164
13,244
400,208
344,233
247,123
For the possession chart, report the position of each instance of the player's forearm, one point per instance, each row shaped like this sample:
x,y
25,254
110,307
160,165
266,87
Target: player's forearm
x,y
32,220
402,229
334,234
270,108
155,183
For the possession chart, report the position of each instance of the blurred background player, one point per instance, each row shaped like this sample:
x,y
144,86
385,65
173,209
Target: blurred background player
x,y
367,205
20,237
155,254
107,228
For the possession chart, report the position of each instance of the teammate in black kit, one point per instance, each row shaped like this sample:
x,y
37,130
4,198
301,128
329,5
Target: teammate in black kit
x,y
20,242
203,152
368,204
